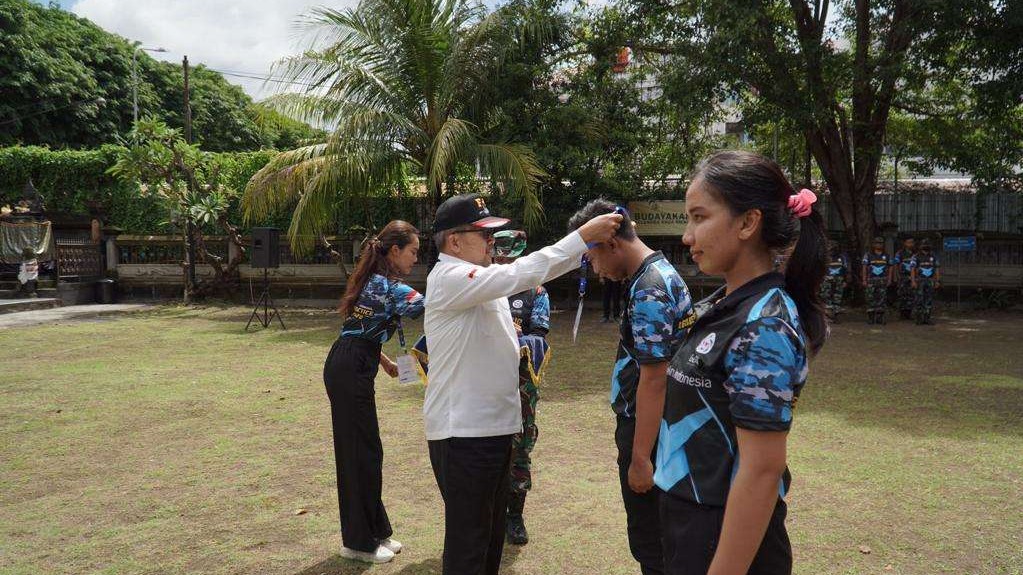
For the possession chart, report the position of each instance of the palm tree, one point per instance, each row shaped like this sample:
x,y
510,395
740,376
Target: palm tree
x,y
403,84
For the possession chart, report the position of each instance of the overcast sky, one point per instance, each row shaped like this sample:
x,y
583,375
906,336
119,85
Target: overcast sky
x,y
233,36
245,36
226,35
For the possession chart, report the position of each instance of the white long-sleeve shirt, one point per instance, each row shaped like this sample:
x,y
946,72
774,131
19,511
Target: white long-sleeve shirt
x,y
474,352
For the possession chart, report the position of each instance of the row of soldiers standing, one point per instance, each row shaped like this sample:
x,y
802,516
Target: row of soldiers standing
x,y
916,273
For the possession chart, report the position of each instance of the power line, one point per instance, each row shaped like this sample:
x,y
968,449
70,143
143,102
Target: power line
x,y
265,78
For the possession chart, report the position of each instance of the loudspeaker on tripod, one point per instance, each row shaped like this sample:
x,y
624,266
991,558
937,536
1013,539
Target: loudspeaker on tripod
x,y
266,248
265,254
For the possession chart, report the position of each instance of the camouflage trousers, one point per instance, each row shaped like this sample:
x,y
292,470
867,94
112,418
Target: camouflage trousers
x,y
832,289
523,442
924,299
877,290
907,295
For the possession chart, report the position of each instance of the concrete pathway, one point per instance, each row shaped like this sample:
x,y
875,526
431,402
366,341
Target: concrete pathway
x,y
67,313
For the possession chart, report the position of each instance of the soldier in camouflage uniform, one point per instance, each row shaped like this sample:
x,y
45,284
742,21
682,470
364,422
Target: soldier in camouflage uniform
x,y
877,276
833,286
903,263
926,277
531,312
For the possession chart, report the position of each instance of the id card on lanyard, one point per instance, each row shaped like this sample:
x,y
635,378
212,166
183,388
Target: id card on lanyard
x,y
408,373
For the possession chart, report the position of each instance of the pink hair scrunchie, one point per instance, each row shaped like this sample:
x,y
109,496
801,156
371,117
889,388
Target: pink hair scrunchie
x,y
801,204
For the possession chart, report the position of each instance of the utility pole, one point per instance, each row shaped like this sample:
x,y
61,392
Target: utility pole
x,y
189,239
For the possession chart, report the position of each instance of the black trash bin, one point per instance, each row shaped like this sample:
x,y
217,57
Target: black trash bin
x,y
105,291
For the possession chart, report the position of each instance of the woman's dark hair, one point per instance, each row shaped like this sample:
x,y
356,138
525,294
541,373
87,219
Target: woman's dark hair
x,y
746,181
373,260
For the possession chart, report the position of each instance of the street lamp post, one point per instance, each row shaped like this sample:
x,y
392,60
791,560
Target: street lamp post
x,y
135,81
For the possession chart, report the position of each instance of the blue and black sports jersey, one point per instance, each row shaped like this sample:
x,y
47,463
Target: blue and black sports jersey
x,y
926,266
657,314
877,264
382,301
742,364
903,259
838,266
531,311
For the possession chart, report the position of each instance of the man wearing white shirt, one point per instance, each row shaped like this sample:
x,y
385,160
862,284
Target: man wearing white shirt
x,y
472,403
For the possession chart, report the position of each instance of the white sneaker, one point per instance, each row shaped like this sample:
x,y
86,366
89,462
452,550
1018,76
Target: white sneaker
x,y
381,555
393,544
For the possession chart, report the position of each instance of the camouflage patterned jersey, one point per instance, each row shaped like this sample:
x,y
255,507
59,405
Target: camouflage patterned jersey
x,y
877,265
833,286
382,301
742,364
531,311
658,312
877,280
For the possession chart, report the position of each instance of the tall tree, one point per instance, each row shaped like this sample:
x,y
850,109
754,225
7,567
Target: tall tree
x,y
403,84
67,83
835,77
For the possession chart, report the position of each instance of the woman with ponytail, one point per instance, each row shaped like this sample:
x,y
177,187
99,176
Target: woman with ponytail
x,y
374,302
733,384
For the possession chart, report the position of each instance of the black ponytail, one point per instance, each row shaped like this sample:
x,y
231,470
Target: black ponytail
x,y
804,272
746,181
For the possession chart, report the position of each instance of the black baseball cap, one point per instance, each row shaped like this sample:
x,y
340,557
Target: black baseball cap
x,y
463,210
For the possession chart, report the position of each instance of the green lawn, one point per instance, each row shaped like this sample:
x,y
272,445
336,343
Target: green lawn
x,y
172,442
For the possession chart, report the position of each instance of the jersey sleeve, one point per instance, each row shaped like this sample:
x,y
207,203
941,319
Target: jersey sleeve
x,y
866,259
767,367
407,301
652,314
912,263
540,319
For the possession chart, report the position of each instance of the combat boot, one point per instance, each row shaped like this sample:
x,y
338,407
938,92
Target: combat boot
x,y
515,531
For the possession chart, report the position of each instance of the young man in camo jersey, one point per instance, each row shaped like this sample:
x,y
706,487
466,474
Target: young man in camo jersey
x,y
531,312
837,277
658,312
903,262
877,276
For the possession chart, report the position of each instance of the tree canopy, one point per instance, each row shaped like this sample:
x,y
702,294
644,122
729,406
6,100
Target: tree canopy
x,y
67,83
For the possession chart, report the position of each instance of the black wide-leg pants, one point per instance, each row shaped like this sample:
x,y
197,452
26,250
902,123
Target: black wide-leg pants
x,y
348,374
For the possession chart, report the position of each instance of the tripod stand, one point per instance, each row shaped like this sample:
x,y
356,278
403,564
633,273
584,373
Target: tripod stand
x,y
268,304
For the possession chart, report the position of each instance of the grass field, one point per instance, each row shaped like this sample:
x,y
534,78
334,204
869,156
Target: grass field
x,y
172,442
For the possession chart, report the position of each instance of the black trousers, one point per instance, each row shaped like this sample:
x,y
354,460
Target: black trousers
x,y
612,298
642,510
472,474
691,533
348,375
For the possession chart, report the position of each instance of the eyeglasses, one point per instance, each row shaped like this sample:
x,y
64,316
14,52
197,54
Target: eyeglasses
x,y
486,233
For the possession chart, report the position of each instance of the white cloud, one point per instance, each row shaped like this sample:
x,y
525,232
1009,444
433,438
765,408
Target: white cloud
x,y
235,35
